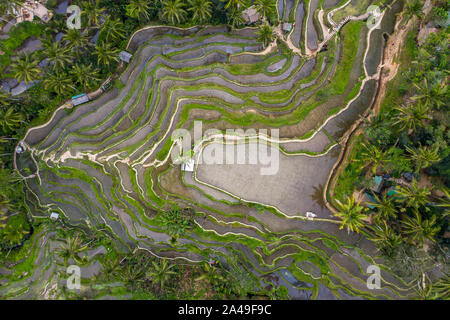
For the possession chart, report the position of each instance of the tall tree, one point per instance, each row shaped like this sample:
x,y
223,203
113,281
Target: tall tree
x,y
410,117
161,272
93,12
235,4
265,34
76,40
70,248
57,55
386,208
431,95
7,7
84,75
132,275
385,237
420,229
423,156
10,119
138,9
413,8
444,202
352,214
106,54
4,207
5,99
442,287
58,82
373,157
25,68
266,8
14,234
176,222
211,274
173,11
413,196
113,29
235,18
201,10
111,268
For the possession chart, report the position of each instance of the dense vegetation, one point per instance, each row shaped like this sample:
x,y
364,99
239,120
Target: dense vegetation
x,y
149,277
71,62
409,135
408,138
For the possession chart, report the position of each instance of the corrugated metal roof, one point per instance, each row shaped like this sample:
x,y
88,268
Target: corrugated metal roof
x,y
125,56
80,99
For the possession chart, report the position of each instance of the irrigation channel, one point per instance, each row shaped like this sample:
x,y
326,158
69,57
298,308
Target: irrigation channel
x,y
106,164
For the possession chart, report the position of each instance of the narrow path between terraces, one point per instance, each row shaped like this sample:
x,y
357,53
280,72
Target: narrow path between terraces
x,y
392,49
327,34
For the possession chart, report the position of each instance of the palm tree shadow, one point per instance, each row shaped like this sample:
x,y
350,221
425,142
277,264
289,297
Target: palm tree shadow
x,y
317,196
343,126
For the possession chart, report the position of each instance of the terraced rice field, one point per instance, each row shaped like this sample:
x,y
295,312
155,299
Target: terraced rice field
x,y
106,164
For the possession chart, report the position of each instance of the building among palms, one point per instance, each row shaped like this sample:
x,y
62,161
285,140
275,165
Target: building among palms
x,y
125,56
251,15
31,8
287,27
80,99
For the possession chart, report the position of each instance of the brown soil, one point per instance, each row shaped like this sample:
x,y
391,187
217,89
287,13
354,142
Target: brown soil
x,y
394,43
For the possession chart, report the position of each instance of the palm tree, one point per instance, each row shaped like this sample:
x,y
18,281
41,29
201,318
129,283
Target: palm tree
x,y
8,6
10,119
161,273
14,234
25,68
4,99
70,249
132,274
445,201
234,4
138,9
425,291
385,236
386,208
265,34
106,54
265,7
173,10
413,8
76,40
57,55
411,117
2,218
420,229
4,208
423,157
54,26
374,157
211,274
413,196
84,75
236,18
59,83
110,267
93,12
352,214
201,10
15,177
435,95
113,29
175,222
442,287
